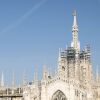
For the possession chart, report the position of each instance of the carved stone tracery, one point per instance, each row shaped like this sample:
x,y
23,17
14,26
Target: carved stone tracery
x,y
59,95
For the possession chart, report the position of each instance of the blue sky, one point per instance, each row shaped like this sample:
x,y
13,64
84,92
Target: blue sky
x,y
32,31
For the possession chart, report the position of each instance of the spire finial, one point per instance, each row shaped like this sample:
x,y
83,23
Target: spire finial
x,y
75,19
74,13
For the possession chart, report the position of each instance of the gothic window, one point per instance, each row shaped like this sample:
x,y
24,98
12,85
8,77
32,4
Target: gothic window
x,y
58,95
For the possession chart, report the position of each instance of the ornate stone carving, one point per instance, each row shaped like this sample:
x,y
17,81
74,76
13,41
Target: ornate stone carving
x,y
59,95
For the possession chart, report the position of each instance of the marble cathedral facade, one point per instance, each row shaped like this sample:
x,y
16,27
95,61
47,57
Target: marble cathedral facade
x,y
73,80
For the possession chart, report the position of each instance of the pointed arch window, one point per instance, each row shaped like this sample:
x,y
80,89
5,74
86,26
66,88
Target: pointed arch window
x,y
59,95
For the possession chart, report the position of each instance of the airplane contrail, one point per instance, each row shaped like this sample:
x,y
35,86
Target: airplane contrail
x,y
25,16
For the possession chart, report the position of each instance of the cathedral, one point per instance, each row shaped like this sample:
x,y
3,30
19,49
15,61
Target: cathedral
x,y
73,80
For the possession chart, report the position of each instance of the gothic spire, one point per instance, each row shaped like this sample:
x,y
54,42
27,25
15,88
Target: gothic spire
x,y
75,26
24,78
13,80
75,43
97,74
2,80
44,73
59,58
35,74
